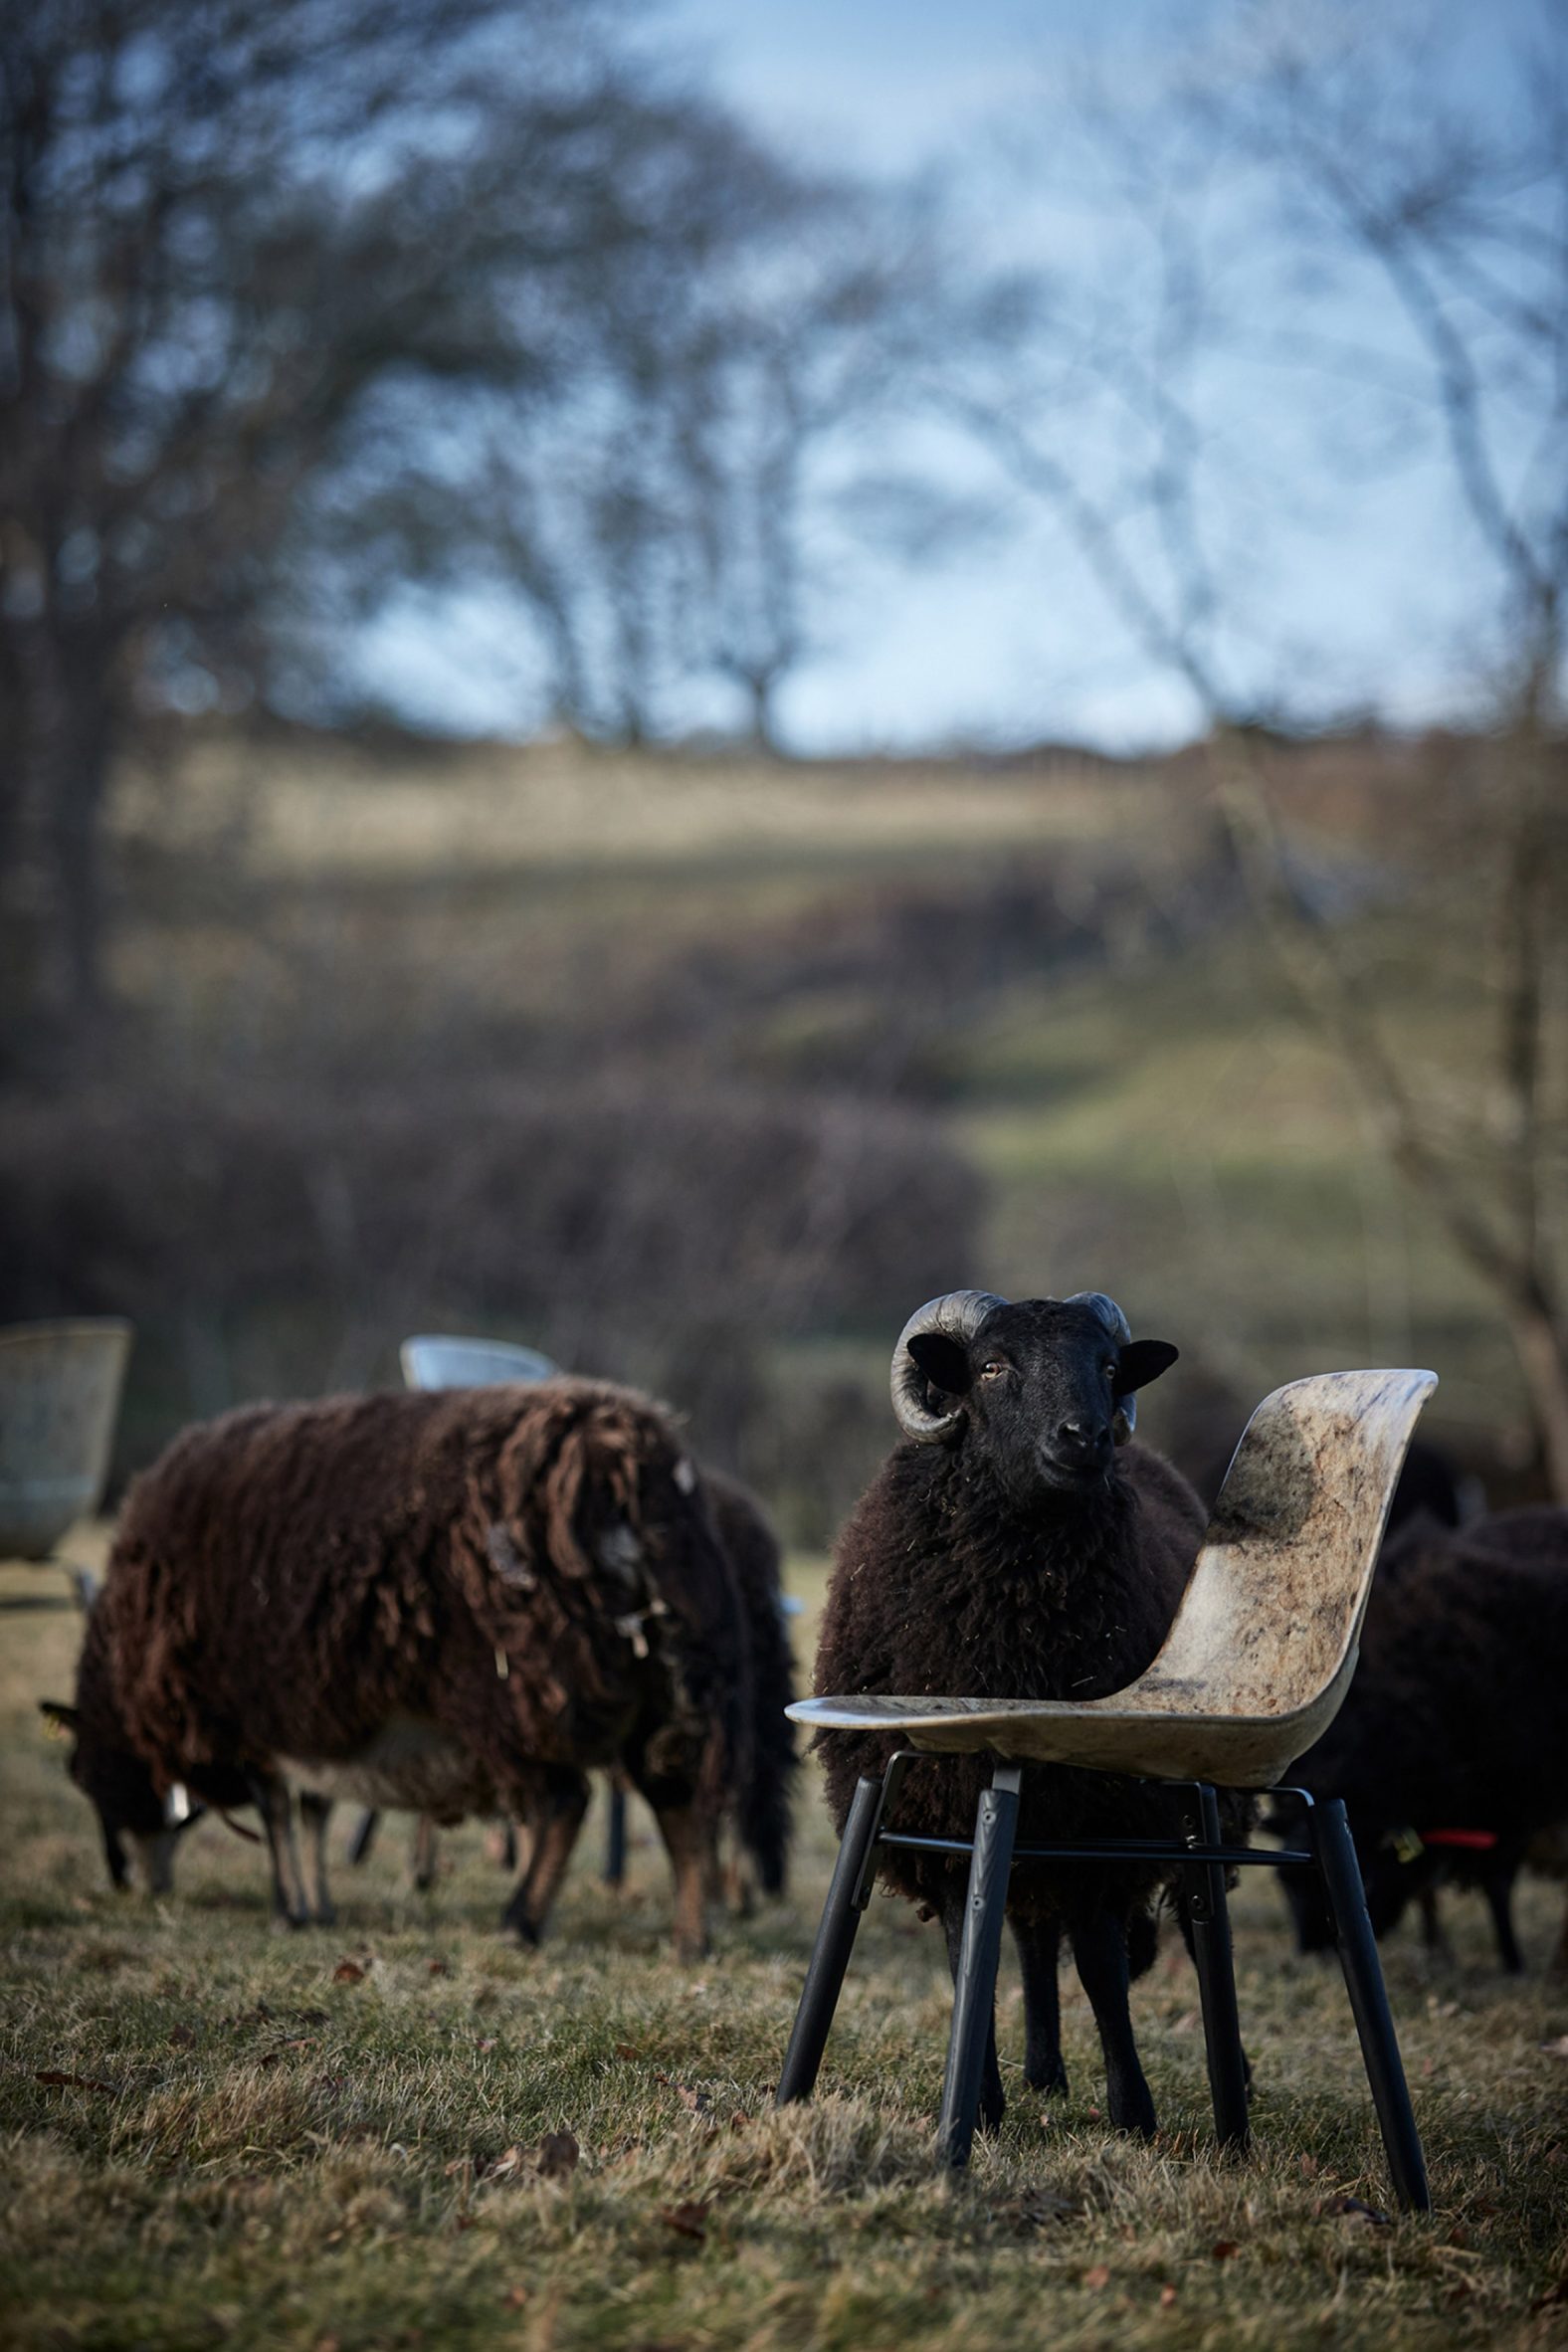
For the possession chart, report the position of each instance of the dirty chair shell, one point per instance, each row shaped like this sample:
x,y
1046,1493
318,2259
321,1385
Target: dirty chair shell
x,y
435,1362
59,1386
1252,1670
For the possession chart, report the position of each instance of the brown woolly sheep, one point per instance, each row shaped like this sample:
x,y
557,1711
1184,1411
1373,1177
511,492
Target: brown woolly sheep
x,y
760,1805
1456,1722
449,1602
1015,1547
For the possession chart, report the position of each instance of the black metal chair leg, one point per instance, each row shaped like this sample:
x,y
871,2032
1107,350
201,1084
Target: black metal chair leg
x,y
1341,1876
1209,1939
974,1995
615,1839
830,1957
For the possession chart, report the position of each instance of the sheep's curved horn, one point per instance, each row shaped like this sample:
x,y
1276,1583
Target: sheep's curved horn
x,y
958,1315
1125,1419
1106,1309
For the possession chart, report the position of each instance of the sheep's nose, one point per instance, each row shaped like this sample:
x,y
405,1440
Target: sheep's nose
x,y
1076,1439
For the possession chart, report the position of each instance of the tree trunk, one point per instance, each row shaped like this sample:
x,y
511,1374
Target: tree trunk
x,y
60,761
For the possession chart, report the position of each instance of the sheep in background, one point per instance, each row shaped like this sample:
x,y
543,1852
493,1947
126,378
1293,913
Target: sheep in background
x,y
1016,1546
1454,1728
757,1807
451,1603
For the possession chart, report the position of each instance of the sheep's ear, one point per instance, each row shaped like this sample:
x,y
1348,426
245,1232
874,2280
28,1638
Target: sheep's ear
x,y
63,1718
1142,1361
944,1361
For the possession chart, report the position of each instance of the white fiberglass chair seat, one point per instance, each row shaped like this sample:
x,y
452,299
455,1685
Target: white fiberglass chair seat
x,y
438,1362
1263,1644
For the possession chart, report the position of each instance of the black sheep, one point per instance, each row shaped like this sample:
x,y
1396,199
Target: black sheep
x,y
1017,1547
1454,1729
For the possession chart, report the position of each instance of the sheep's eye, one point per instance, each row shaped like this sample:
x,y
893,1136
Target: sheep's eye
x,y
991,1371
1111,1371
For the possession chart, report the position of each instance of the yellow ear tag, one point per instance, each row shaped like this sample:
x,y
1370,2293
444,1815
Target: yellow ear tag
x,y
1407,1845
503,1669
55,1730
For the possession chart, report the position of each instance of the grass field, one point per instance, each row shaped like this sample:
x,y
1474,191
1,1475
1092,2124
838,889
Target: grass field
x,y
398,2132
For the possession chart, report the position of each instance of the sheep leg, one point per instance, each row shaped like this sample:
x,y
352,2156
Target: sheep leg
x,y
1038,1953
993,2098
1434,1943
687,1834
1099,1949
554,1815
500,1845
1498,1891
424,1852
114,1855
315,1814
156,1855
276,1806
363,1839
1557,1965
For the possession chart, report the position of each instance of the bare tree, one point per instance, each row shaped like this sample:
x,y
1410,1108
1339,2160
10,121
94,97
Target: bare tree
x,y
241,249
655,504
1350,159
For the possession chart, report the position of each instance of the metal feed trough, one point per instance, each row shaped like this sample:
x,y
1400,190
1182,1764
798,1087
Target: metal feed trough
x,y
60,1387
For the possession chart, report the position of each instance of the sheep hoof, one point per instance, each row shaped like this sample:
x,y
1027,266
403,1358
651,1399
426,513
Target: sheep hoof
x,y
1134,2116
521,1932
1050,2082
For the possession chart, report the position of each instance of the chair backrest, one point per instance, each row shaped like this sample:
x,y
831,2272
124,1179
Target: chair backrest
x,y
433,1362
60,1387
1270,1621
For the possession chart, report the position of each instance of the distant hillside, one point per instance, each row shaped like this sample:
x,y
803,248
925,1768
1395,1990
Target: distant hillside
x,y
704,1070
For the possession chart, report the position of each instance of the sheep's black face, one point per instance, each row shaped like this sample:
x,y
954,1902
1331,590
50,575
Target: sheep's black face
x,y
1041,1382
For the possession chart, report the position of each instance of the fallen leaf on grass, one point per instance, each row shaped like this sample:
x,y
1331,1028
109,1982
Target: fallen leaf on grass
x,y
687,2221
56,2080
182,2036
505,2164
559,2154
697,2101
515,2297
1167,2297
437,1968
1354,2208
1098,2277
627,2050
1222,2249
348,1972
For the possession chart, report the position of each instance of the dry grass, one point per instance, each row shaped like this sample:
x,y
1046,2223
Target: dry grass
x,y
256,2153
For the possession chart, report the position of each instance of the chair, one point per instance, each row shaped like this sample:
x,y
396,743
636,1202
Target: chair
x,y
430,1362
59,1386
1252,1670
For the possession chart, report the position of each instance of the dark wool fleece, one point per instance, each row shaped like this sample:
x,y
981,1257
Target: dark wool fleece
x,y
287,1578
943,1587
752,1550
1458,1717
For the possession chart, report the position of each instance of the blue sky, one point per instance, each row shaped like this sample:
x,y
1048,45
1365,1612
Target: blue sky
x,y
1359,590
